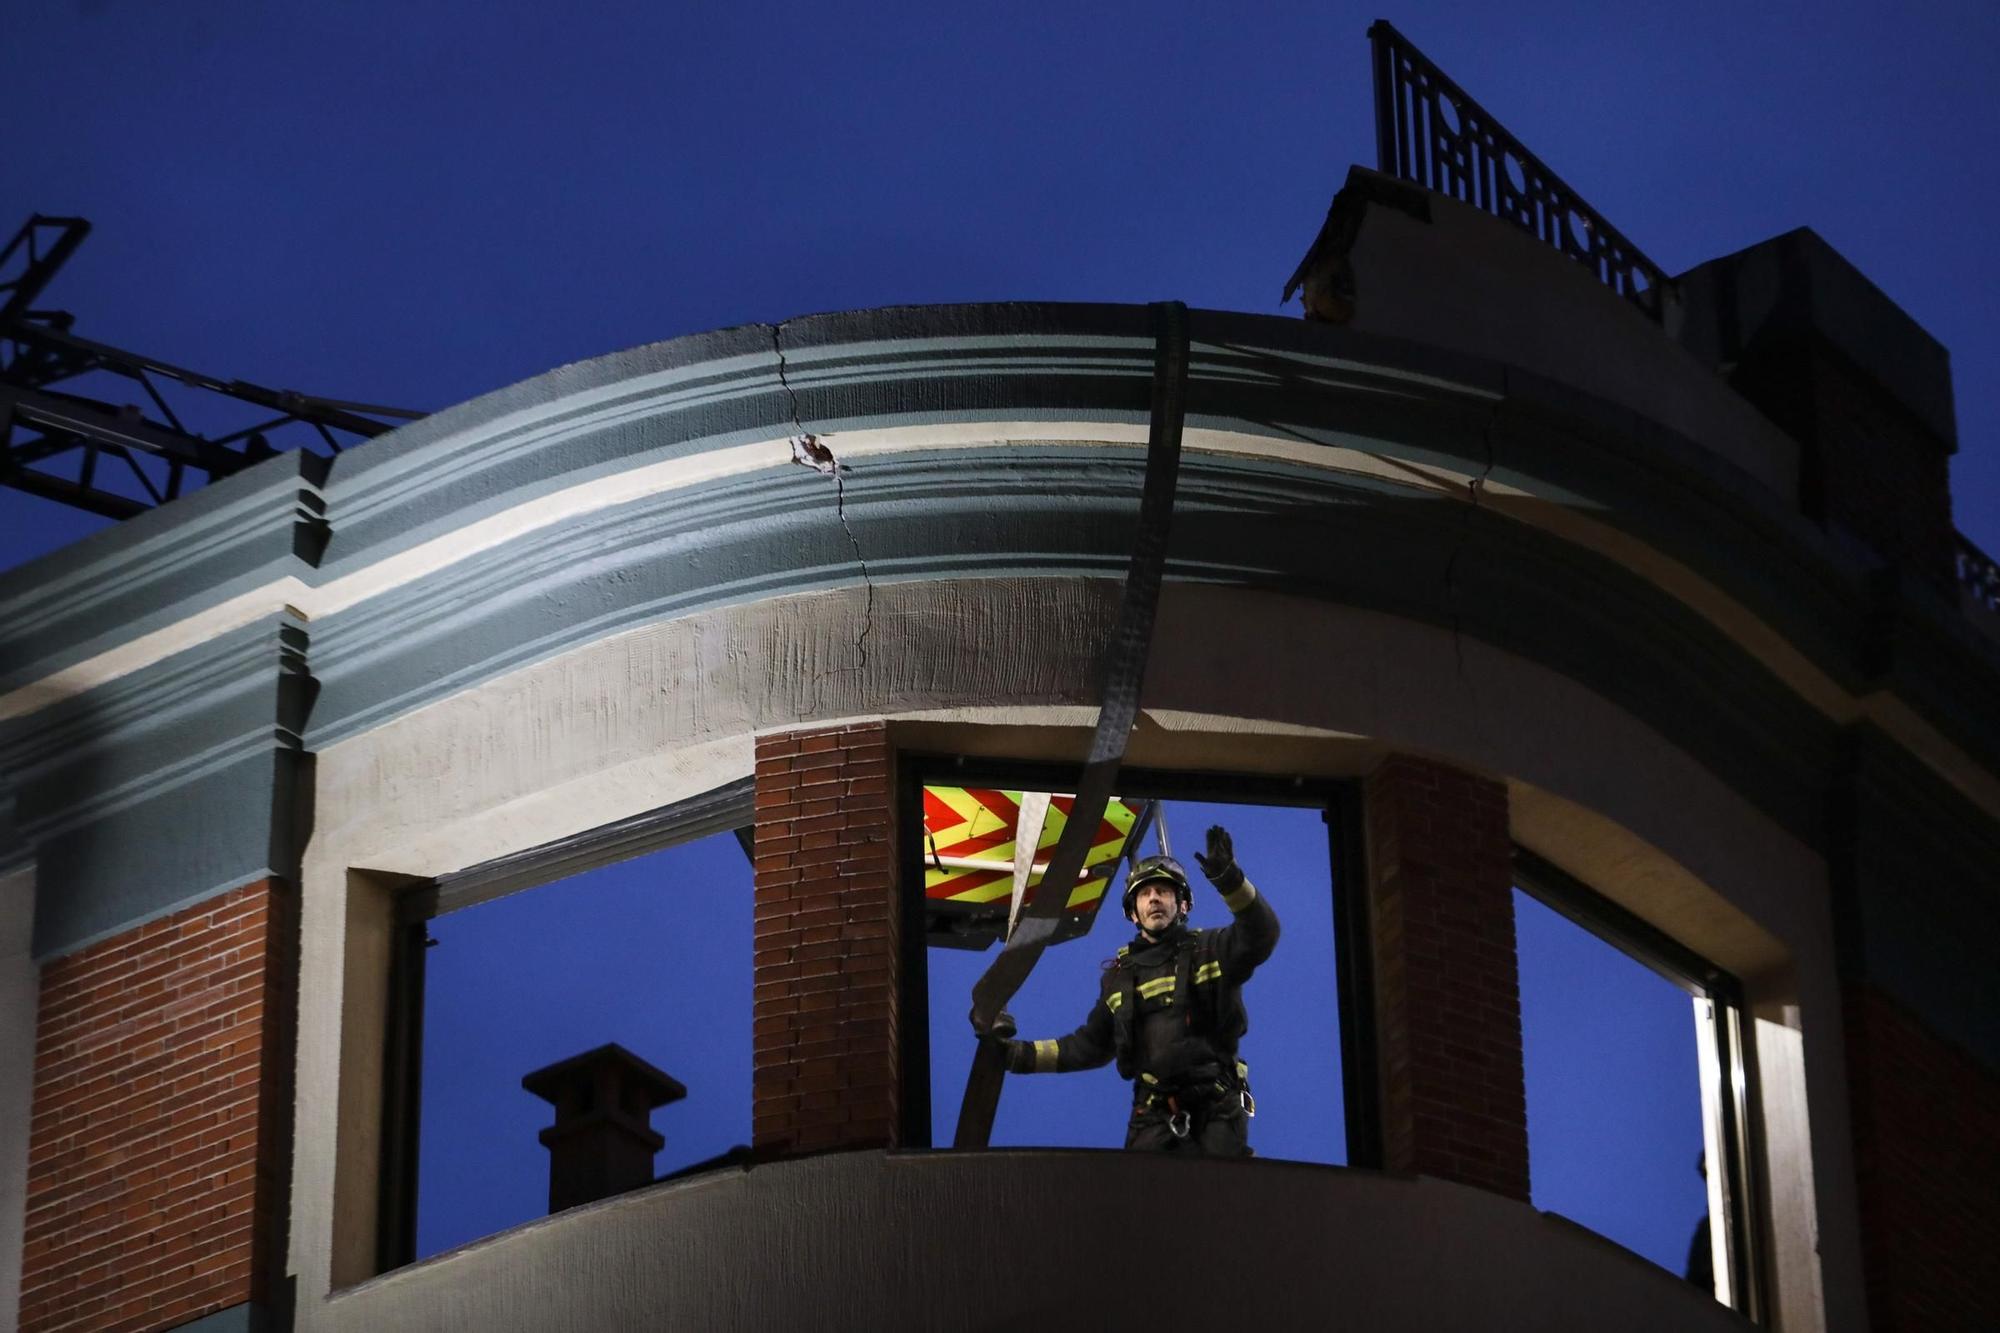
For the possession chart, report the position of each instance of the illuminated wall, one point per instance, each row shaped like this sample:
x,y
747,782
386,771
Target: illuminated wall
x,y
618,587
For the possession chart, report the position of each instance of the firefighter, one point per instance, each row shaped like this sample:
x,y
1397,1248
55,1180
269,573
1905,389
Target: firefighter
x,y
1170,1009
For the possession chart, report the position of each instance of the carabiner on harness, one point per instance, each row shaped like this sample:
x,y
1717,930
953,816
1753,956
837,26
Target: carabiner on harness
x,y
1180,1122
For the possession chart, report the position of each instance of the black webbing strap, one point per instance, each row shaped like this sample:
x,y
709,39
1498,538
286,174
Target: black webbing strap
x,y
1205,955
1184,977
1124,674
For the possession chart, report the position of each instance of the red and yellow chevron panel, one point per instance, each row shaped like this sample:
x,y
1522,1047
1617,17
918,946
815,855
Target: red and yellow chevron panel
x,y
969,837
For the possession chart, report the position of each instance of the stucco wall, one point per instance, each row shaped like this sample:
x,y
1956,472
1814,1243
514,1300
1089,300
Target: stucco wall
x,y
1467,280
1014,1239
633,720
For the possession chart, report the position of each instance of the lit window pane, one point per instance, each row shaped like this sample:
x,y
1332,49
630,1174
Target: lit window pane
x,y
652,953
1293,1046
1614,1093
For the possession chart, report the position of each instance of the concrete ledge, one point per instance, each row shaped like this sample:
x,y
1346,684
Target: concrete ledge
x,y
1013,1239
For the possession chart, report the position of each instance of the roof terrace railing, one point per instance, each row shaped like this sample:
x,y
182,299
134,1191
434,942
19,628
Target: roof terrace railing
x,y
1430,131
1978,574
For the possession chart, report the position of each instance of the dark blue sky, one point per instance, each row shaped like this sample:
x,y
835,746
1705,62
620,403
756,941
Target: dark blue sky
x,y
416,203
413,204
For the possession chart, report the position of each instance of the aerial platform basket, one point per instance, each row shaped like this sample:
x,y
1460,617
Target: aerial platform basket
x,y
971,837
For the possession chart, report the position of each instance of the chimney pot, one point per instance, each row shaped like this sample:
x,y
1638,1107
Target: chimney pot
x,y
603,1141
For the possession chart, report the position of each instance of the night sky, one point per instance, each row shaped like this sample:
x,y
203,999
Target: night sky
x,y
413,204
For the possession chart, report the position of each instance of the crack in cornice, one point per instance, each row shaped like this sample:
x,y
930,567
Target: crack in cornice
x,y
812,451
1475,490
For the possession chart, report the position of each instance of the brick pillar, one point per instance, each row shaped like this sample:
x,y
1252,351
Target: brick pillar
x,y
828,939
158,1148
1927,1157
1448,999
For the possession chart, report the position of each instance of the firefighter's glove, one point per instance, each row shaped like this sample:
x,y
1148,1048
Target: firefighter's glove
x,y
1019,1056
1219,861
1002,1028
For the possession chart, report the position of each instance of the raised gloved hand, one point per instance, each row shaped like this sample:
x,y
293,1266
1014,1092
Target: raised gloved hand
x,y
1219,861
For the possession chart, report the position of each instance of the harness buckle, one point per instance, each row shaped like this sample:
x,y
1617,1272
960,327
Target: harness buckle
x,y
1249,1104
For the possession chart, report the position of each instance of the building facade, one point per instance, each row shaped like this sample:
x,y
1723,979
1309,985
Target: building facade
x,y
1672,606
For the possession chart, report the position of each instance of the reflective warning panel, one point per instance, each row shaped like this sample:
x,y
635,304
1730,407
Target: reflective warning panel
x,y
970,847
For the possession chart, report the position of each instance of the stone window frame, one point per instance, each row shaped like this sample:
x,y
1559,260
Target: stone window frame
x,y
415,904
1728,1128
1339,800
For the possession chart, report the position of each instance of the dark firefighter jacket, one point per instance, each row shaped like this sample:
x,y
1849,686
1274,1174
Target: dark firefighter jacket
x,y
1169,1007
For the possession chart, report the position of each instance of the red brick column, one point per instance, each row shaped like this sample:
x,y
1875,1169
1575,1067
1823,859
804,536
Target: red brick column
x,y
1440,870
828,940
1927,1156
158,1144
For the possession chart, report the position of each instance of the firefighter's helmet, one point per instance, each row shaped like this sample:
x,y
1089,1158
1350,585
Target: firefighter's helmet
x,y
1158,867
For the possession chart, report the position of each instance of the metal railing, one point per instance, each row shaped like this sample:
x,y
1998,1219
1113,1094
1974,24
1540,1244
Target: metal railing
x,y
1430,131
1978,574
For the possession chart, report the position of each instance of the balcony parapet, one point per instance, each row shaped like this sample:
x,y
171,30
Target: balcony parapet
x,y
1017,1238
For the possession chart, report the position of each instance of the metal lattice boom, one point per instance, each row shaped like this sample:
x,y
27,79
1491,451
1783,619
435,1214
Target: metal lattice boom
x,y
55,437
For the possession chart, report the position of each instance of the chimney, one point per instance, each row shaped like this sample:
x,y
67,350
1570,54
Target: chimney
x,y
602,1142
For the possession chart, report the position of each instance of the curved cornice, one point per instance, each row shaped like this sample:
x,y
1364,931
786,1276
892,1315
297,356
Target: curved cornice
x,y
1053,510
992,438
246,538
156,790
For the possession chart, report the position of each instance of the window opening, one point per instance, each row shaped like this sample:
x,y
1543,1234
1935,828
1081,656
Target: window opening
x,y
1636,1094
552,1012
965,844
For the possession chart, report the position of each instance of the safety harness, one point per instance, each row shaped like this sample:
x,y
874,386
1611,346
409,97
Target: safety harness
x,y
1180,1119
1195,967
